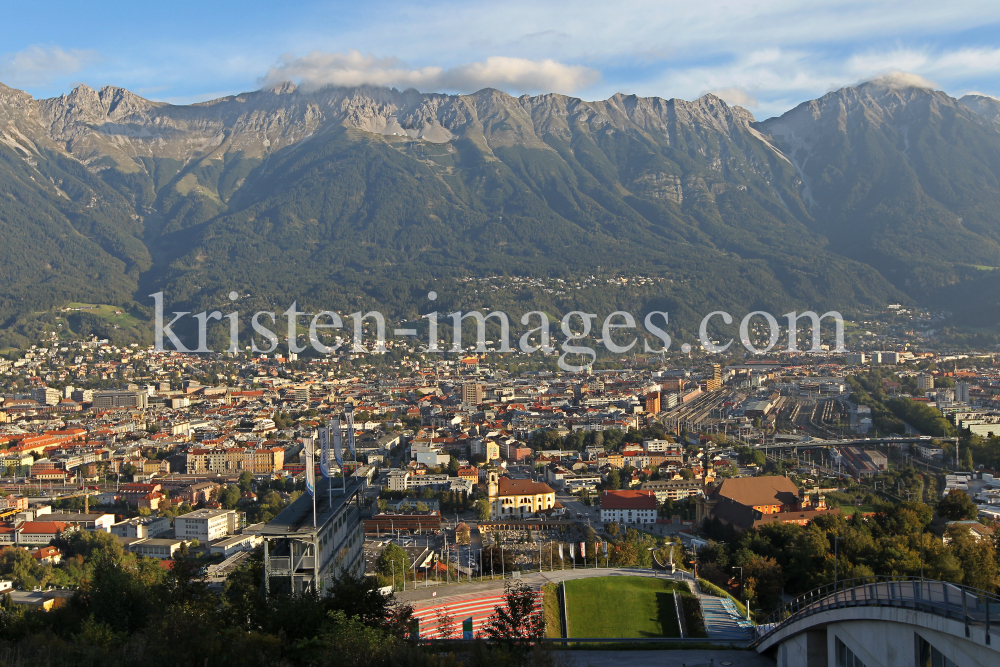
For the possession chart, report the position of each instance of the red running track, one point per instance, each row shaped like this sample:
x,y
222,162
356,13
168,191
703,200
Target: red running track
x,y
479,606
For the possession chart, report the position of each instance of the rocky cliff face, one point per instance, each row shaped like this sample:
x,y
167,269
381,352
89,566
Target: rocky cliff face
x,y
117,124
985,106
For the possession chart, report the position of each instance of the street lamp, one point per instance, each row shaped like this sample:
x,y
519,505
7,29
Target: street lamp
x,y
920,535
737,567
836,542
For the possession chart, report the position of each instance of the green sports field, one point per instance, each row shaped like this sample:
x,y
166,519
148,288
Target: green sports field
x,y
621,607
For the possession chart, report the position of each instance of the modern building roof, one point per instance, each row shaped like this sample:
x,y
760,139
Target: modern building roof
x,y
628,500
296,520
205,513
671,484
757,491
744,516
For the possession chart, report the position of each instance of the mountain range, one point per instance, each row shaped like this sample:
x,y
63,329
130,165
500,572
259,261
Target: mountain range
x,y
360,198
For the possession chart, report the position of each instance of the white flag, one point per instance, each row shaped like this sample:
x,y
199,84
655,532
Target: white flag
x,y
324,450
572,551
338,440
606,549
307,452
583,549
560,553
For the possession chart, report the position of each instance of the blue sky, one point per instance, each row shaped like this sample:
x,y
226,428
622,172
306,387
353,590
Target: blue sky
x,y
766,56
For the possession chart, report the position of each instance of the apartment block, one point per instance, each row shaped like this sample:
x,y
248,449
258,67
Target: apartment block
x,y
207,525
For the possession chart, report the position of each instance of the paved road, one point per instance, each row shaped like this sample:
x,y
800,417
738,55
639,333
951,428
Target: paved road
x,y
677,658
576,507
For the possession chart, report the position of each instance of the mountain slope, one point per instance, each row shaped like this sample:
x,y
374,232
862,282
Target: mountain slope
x,y
906,180
984,105
367,197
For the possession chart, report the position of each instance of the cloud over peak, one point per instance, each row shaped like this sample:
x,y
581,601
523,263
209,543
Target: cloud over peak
x,y
352,68
903,80
736,96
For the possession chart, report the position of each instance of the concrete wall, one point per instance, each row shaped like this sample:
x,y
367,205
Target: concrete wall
x,y
807,649
880,637
895,644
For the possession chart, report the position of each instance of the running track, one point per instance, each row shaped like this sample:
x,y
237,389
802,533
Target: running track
x,y
479,606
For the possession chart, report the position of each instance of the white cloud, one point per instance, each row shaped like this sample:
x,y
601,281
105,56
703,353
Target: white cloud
x,y
784,51
939,64
902,80
39,65
353,68
737,96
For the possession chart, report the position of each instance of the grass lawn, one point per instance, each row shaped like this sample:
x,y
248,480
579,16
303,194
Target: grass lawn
x,y
550,605
621,607
114,314
848,510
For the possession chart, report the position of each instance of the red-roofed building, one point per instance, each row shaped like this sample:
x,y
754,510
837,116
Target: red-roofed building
x,y
41,532
628,507
750,502
47,555
8,534
133,493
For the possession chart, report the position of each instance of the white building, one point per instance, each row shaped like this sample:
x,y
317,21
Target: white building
x,y
398,480
206,525
235,544
658,445
162,549
141,527
628,507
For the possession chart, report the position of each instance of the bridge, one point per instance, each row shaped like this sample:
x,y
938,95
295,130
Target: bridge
x,y
852,442
884,622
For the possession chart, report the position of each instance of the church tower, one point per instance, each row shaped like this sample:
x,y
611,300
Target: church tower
x,y
492,485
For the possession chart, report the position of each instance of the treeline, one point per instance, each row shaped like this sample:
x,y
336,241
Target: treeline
x,y
130,612
448,501
894,541
610,440
892,414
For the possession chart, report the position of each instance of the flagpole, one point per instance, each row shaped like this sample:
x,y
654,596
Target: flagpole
x,y
349,413
338,437
311,472
325,462
329,482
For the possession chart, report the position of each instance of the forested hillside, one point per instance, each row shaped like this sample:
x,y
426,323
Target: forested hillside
x,y
367,198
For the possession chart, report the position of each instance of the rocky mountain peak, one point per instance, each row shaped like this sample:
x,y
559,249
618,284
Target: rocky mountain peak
x,y
119,103
283,88
873,103
986,106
